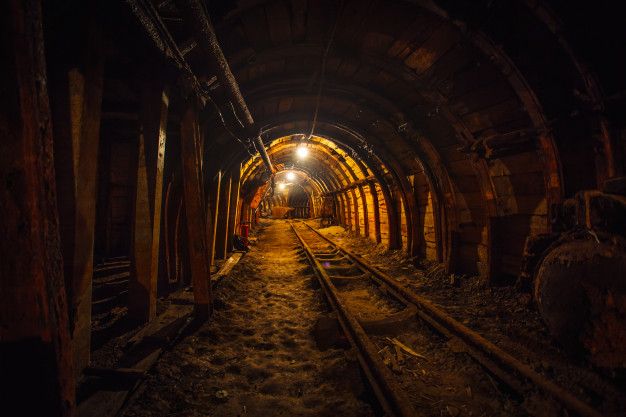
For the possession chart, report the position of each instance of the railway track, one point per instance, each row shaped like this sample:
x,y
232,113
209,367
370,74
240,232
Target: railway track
x,y
387,306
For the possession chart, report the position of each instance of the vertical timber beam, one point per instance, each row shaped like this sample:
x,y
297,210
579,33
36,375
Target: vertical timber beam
x,y
366,224
101,243
235,184
194,210
76,105
355,202
222,219
214,201
394,205
347,211
35,348
148,202
374,194
415,226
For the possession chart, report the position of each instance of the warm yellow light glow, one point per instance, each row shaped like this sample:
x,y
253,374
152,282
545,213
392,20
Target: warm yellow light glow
x,y
291,176
302,151
281,186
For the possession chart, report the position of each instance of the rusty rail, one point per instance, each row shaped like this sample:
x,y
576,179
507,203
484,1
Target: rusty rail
x,y
442,321
390,396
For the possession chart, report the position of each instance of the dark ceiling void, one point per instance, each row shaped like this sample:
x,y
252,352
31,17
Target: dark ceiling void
x,y
143,140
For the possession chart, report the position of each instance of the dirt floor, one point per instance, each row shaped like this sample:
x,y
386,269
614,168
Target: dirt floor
x,y
257,355
502,314
435,373
261,353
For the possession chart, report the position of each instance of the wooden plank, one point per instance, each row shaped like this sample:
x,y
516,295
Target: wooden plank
x,y
227,267
473,77
256,28
279,23
142,299
212,211
233,215
298,19
76,107
482,97
141,353
222,219
430,51
194,210
148,202
36,348
412,36
364,212
495,115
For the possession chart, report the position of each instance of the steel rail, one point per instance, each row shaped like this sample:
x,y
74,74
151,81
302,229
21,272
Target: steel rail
x,y
389,394
442,321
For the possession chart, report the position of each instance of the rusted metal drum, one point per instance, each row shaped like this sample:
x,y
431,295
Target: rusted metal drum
x,y
580,288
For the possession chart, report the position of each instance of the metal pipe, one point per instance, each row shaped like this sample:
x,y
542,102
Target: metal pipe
x,y
258,144
195,14
149,18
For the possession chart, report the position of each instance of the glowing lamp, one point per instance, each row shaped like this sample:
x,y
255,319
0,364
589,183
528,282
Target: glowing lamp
x,y
291,176
281,186
302,151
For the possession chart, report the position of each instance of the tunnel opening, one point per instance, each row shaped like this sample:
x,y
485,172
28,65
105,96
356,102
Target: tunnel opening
x,y
353,188
245,190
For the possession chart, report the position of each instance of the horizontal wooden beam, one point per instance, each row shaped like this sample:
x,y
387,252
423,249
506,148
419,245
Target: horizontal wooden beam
x,y
367,180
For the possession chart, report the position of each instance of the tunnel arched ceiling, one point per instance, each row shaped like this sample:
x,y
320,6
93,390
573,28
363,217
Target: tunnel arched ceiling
x,y
423,88
327,165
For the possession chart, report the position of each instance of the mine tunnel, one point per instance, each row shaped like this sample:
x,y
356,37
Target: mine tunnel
x,y
312,208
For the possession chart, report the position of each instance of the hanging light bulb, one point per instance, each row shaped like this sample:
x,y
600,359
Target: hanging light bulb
x,y
291,176
302,151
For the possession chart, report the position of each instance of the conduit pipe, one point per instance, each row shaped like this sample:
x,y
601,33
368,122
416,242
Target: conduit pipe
x,y
195,14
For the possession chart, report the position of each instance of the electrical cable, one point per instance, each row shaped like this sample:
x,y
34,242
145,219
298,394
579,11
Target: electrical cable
x,y
225,125
323,70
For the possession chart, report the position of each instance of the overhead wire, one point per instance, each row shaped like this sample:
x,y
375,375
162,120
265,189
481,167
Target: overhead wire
x,y
225,125
323,70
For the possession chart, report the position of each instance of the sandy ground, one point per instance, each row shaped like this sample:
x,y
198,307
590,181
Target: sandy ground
x,y
257,355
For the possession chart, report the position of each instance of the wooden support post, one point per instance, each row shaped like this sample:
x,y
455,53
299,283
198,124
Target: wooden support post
x,y
376,212
221,250
35,348
146,232
355,202
171,214
347,211
195,212
366,224
415,226
394,205
233,218
76,101
338,209
214,201
102,227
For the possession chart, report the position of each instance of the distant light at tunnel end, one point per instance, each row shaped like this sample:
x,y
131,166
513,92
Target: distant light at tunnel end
x,y
302,151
